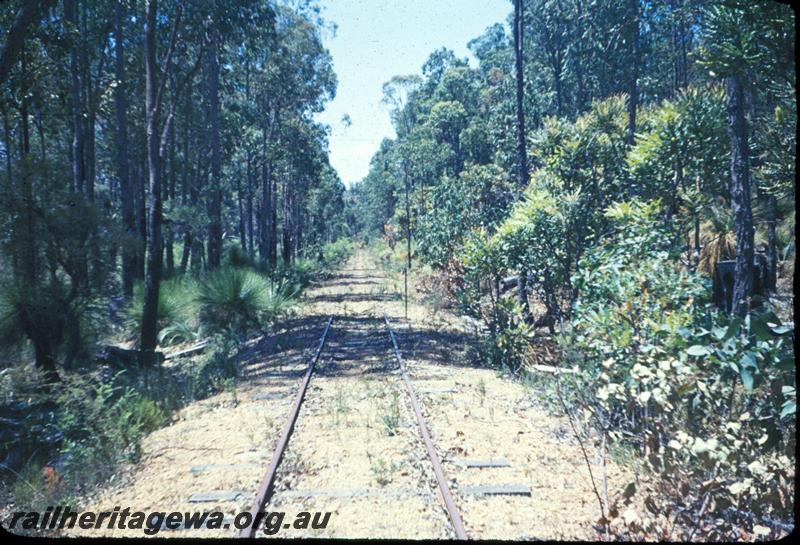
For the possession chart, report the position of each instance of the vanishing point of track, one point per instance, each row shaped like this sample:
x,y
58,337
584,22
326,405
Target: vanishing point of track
x,y
266,488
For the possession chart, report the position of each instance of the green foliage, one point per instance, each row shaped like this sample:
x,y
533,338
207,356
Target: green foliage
x,y
617,237
239,301
236,257
741,35
336,254
63,322
660,363
633,297
533,239
101,424
481,262
508,345
686,136
215,371
293,278
477,198
390,418
778,141
177,312
13,309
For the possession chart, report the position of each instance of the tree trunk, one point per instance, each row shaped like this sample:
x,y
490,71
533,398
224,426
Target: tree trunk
x,y
740,193
75,101
266,207
141,208
240,208
153,271
90,117
215,195
522,161
272,226
250,234
29,12
578,64
772,245
187,248
123,167
30,263
39,336
696,219
522,154
169,256
633,91
287,225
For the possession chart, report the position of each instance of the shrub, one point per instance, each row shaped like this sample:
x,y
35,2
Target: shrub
x,y
100,424
236,257
708,398
55,320
239,301
213,371
289,280
336,254
177,312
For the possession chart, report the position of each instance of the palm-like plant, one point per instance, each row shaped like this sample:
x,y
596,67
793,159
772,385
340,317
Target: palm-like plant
x,y
239,300
177,312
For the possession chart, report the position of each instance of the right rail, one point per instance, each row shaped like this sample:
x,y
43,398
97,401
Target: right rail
x,y
447,496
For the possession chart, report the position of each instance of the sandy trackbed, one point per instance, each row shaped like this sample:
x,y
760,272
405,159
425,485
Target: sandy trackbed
x,y
356,451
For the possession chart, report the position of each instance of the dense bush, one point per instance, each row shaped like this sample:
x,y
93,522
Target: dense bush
x,y
336,254
707,398
239,301
100,424
76,434
473,200
61,443
59,324
177,312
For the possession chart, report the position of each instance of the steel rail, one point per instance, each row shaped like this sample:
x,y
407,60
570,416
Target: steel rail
x,y
447,496
266,487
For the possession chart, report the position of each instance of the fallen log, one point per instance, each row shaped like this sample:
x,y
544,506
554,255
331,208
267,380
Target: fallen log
x,y
508,283
196,349
116,356
553,369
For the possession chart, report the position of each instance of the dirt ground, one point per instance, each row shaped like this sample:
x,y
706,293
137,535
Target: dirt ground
x,y
356,451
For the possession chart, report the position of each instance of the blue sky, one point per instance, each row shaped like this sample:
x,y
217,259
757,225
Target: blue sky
x,y
378,39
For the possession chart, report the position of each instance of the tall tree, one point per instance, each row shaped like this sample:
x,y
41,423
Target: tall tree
x,y
123,166
522,152
633,89
29,12
740,193
75,98
153,271
215,197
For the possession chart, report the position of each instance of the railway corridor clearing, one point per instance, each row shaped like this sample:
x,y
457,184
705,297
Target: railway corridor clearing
x,y
356,450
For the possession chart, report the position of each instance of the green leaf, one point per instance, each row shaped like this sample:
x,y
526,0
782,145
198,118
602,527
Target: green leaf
x,y
747,378
786,363
759,328
789,408
780,329
699,350
749,360
733,328
719,332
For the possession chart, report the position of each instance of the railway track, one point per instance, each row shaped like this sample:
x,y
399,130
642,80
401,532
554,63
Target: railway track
x,y
266,489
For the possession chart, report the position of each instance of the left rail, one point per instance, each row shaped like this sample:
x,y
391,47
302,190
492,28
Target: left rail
x,y
267,483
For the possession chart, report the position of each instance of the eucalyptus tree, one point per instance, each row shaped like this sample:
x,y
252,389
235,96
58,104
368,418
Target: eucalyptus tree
x,y
522,152
741,40
28,13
